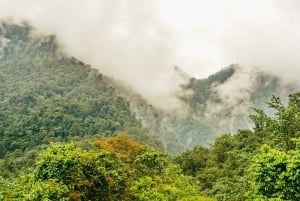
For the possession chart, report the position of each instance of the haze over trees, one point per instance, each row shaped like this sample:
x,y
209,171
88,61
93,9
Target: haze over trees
x,y
70,133
47,97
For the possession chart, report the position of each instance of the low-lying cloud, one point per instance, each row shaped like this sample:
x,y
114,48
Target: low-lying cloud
x,y
139,41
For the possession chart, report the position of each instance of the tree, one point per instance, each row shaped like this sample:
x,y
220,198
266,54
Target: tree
x,y
285,125
170,185
113,169
66,172
275,174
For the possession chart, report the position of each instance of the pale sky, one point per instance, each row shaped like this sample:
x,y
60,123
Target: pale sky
x,y
138,41
261,33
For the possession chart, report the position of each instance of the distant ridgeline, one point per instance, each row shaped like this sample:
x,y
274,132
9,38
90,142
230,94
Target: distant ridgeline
x,y
201,125
47,97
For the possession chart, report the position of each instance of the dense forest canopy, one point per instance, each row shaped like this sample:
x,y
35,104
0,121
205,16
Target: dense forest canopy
x,y
35,70
48,97
250,165
70,133
211,108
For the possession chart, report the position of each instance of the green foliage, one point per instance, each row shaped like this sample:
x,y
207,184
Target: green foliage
x,y
278,131
150,161
41,190
275,174
202,87
209,113
47,97
5,187
170,185
61,163
106,172
140,159
222,169
25,188
65,172
191,162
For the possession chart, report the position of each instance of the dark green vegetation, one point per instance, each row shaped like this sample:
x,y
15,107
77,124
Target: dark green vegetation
x,y
48,97
207,113
58,116
112,169
252,165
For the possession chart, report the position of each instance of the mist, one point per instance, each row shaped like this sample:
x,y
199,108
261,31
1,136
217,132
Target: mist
x,y
138,41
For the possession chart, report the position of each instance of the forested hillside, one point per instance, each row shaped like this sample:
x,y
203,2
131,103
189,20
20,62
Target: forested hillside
x,y
70,133
38,78
46,97
262,164
112,169
206,114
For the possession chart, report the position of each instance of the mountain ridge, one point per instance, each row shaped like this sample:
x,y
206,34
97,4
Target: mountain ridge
x,y
198,124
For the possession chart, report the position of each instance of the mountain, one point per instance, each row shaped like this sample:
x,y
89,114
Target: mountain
x,y
61,123
210,109
46,96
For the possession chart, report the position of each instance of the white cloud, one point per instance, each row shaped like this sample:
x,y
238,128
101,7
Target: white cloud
x,y
138,41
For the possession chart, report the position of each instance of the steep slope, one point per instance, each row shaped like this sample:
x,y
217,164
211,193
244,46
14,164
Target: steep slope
x,y
46,96
210,110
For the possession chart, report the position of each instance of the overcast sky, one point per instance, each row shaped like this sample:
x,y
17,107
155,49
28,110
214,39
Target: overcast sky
x,y
138,41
